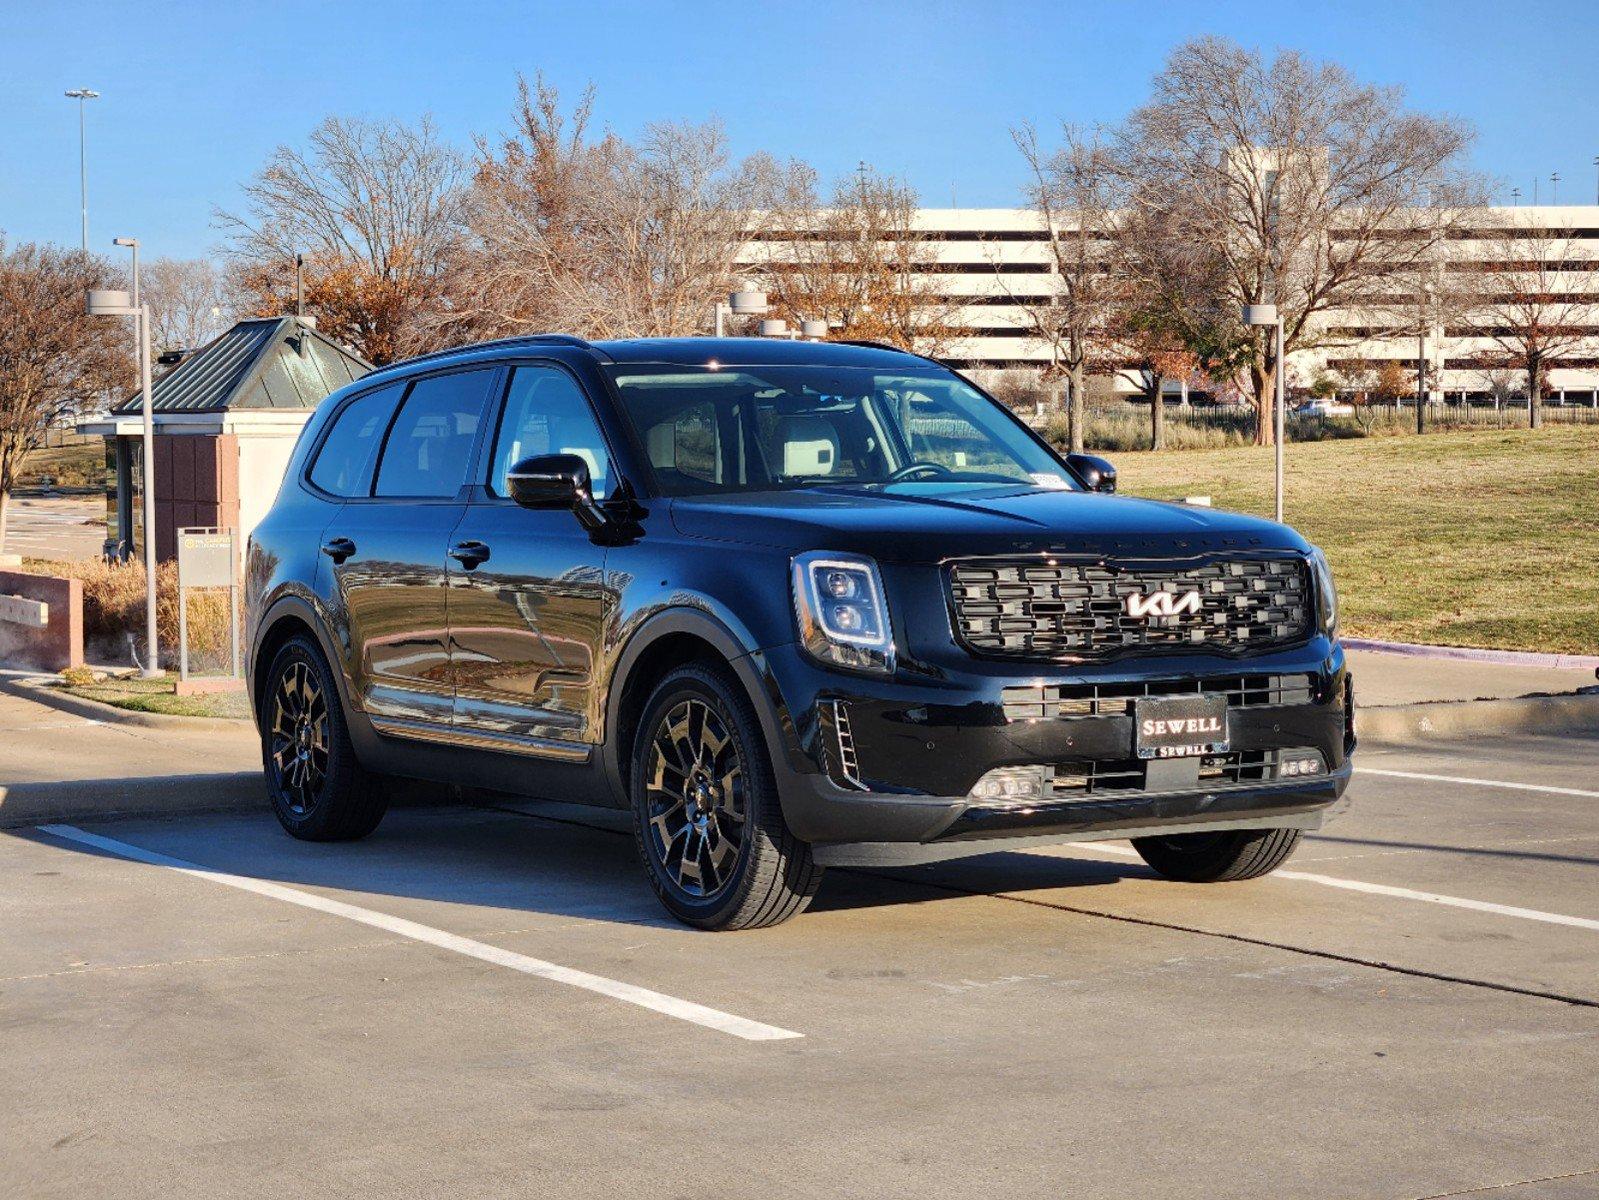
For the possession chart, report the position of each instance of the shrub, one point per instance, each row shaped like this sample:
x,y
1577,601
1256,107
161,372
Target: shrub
x,y
113,608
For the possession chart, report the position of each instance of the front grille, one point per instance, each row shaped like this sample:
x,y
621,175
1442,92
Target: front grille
x,y
1043,608
1045,701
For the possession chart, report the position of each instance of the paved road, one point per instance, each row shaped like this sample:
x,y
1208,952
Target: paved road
x,y
487,1002
59,527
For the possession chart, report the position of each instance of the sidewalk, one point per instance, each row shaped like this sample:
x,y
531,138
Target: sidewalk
x,y
57,765
1384,679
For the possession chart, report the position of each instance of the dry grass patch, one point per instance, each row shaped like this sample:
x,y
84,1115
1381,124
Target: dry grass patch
x,y
1485,538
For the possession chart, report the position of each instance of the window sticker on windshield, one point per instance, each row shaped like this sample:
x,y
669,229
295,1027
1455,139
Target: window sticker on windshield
x,y
1046,479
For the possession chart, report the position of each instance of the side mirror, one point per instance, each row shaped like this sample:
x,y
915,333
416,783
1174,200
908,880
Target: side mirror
x,y
1095,472
556,481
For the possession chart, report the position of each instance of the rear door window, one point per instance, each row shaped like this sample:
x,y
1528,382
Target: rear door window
x,y
341,464
429,447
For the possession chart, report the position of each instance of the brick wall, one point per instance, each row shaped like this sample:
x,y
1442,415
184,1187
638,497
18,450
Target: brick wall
x,y
60,644
196,483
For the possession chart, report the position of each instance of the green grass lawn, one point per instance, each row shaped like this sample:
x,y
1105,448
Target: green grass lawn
x,y
68,466
157,696
1486,538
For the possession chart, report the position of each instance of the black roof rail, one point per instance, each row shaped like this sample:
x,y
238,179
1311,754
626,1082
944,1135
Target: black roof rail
x,y
559,339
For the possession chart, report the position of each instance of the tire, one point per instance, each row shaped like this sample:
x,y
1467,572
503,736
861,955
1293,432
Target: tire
x,y
699,760
1220,857
318,790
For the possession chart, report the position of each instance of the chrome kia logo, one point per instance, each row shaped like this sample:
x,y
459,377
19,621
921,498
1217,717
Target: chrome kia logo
x,y
1162,604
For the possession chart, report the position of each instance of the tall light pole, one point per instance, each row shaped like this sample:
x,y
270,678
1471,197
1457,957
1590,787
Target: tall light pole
x,y
1266,314
1554,188
81,95
746,302
108,303
1515,194
1424,308
1596,179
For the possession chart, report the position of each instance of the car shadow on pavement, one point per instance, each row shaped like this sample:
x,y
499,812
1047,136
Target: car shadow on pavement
x,y
504,859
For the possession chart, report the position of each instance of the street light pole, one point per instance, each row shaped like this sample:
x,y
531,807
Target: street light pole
x,y
121,304
81,95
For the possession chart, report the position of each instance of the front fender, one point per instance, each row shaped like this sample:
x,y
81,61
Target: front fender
x,y
704,619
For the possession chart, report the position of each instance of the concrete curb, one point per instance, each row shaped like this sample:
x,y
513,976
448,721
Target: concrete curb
x,y
1526,714
1503,658
153,796
37,689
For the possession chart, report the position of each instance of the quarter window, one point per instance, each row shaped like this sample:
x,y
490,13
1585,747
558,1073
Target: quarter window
x,y
341,464
546,413
430,446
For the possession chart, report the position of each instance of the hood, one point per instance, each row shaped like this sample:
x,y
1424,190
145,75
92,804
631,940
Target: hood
x,y
918,523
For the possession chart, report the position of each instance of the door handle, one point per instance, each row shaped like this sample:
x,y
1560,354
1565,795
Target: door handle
x,y
338,549
469,554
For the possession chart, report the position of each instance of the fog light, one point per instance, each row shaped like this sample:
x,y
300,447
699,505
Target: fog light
x,y
1292,765
1014,783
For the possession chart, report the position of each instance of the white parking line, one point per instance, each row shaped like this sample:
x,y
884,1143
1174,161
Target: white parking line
x,y
1383,889
1496,783
671,1006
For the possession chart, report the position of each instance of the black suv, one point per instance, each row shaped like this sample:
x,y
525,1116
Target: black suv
x,y
793,605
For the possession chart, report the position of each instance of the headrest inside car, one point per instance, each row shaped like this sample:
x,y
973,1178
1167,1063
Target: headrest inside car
x,y
810,445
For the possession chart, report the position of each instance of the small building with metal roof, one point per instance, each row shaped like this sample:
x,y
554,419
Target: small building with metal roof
x,y
225,420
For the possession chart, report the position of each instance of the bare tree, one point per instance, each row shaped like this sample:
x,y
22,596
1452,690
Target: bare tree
x,y
53,357
1169,320
374,208
1307,183
1531,307
1497,374
1074,191
860,261
189,303
599,236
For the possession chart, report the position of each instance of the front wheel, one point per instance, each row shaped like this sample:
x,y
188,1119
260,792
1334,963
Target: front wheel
x,y
1218,857
705,813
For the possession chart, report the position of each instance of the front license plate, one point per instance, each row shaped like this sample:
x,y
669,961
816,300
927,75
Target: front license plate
x,y
1179,726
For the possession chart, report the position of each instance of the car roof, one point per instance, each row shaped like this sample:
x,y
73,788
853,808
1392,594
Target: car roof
x,y
686,351
753,351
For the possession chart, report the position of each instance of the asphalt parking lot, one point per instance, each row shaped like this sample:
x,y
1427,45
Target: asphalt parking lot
x,y
487,1001
50,526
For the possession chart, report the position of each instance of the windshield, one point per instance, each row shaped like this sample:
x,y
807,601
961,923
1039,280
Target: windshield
x,y
718,429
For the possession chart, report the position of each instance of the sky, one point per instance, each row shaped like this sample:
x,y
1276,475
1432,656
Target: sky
x,y
195,96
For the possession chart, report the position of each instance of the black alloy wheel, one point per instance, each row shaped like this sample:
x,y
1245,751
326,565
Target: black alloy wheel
x,y
319,790
299,753
697,810
706,816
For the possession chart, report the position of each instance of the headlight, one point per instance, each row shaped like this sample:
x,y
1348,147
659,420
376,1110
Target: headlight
x,y
843,619
1326,594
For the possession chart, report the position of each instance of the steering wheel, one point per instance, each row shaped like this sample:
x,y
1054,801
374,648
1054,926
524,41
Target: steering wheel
x,y
919,468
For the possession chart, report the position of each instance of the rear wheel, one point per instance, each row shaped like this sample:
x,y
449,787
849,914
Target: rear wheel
x,y
705,811
318,790
1219,857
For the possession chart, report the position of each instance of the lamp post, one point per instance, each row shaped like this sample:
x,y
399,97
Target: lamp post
x,y
1554,188
1515,194
80,95
117,303
1428,296
1266,315
1596,179
746,302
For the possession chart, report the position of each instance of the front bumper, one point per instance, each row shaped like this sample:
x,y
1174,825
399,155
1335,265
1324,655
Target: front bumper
x,y
882,772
